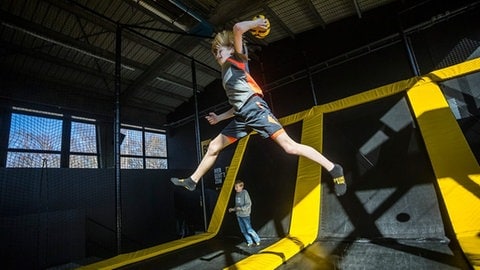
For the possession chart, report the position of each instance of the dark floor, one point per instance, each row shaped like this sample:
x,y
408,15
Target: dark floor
x,y
331,254
380,255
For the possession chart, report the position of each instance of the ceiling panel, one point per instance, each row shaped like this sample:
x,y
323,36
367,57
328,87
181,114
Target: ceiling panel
x,y
331,10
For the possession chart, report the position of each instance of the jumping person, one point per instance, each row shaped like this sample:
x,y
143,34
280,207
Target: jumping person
x,y
243,208
249,110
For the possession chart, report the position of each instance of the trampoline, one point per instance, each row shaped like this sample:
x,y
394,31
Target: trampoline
x,y
411,174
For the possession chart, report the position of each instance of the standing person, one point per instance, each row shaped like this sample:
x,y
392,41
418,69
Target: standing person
x,y
243,208
249,110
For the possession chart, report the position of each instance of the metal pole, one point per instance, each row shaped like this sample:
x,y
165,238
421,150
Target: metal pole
x,y
411,56
197,140
118,197
309,74
408,46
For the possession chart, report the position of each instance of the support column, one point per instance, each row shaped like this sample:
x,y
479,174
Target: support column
x,y
198,141
116,128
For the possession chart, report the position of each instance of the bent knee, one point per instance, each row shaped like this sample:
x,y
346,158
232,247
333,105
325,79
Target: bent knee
x,y
291,149
213,151
214,148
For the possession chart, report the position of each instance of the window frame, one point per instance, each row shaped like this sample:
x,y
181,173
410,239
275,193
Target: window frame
x,y
144,156
33,113
93,122
66,129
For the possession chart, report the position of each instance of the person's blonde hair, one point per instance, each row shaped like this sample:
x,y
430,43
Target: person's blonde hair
x,y
224,38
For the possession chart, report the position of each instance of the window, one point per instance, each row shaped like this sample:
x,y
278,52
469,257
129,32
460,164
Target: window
x,y
83,145
34,141
143,148
39,139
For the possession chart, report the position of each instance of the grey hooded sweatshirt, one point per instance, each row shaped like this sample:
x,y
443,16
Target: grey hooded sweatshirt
x,y
242,200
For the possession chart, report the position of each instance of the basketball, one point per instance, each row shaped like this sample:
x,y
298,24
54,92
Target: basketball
x,y
260,33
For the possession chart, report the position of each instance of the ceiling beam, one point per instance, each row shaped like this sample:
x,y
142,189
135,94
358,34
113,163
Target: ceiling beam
x,y
63,40
148,7
179,81
157,67
314,10
37,54
175,29
357,8
61,88
82,68
104,22
278,20
83,47
228,10
212,72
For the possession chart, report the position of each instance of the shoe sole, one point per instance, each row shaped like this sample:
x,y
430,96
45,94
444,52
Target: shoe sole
x,y
180,183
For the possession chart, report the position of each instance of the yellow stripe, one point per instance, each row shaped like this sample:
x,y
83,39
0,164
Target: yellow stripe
x,y
371,95
227,187
305,209
454,71
455,167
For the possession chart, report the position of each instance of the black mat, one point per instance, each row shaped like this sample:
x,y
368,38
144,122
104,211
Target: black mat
x,y
391,217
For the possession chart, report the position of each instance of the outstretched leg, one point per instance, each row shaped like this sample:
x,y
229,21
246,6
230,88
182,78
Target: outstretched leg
x,y
294,148
214,148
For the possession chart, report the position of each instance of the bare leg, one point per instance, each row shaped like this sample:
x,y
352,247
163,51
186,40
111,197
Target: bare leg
x,y
294,148
335,170
214,148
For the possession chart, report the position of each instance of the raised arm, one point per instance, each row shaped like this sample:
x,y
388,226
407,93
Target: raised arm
x,y
242,27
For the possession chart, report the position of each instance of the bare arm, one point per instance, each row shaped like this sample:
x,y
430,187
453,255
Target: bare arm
x,y
242,27
213,118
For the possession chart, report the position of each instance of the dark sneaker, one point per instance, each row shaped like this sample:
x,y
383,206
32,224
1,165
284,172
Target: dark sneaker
x,y
187,183
340,185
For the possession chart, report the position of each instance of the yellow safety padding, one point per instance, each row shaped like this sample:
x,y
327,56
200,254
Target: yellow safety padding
x,y
470,247
227,187
294,118
272,256
213,228
143,254
455,166
371,95
306,201
454,71
367,96
305,209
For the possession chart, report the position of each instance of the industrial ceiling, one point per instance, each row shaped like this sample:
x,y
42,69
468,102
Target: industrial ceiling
x,y
69,45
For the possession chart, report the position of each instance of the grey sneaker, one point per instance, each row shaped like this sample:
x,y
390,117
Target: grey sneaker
x,y
187,183
340,185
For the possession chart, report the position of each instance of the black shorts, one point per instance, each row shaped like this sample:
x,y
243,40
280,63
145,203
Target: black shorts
x,y
254,115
